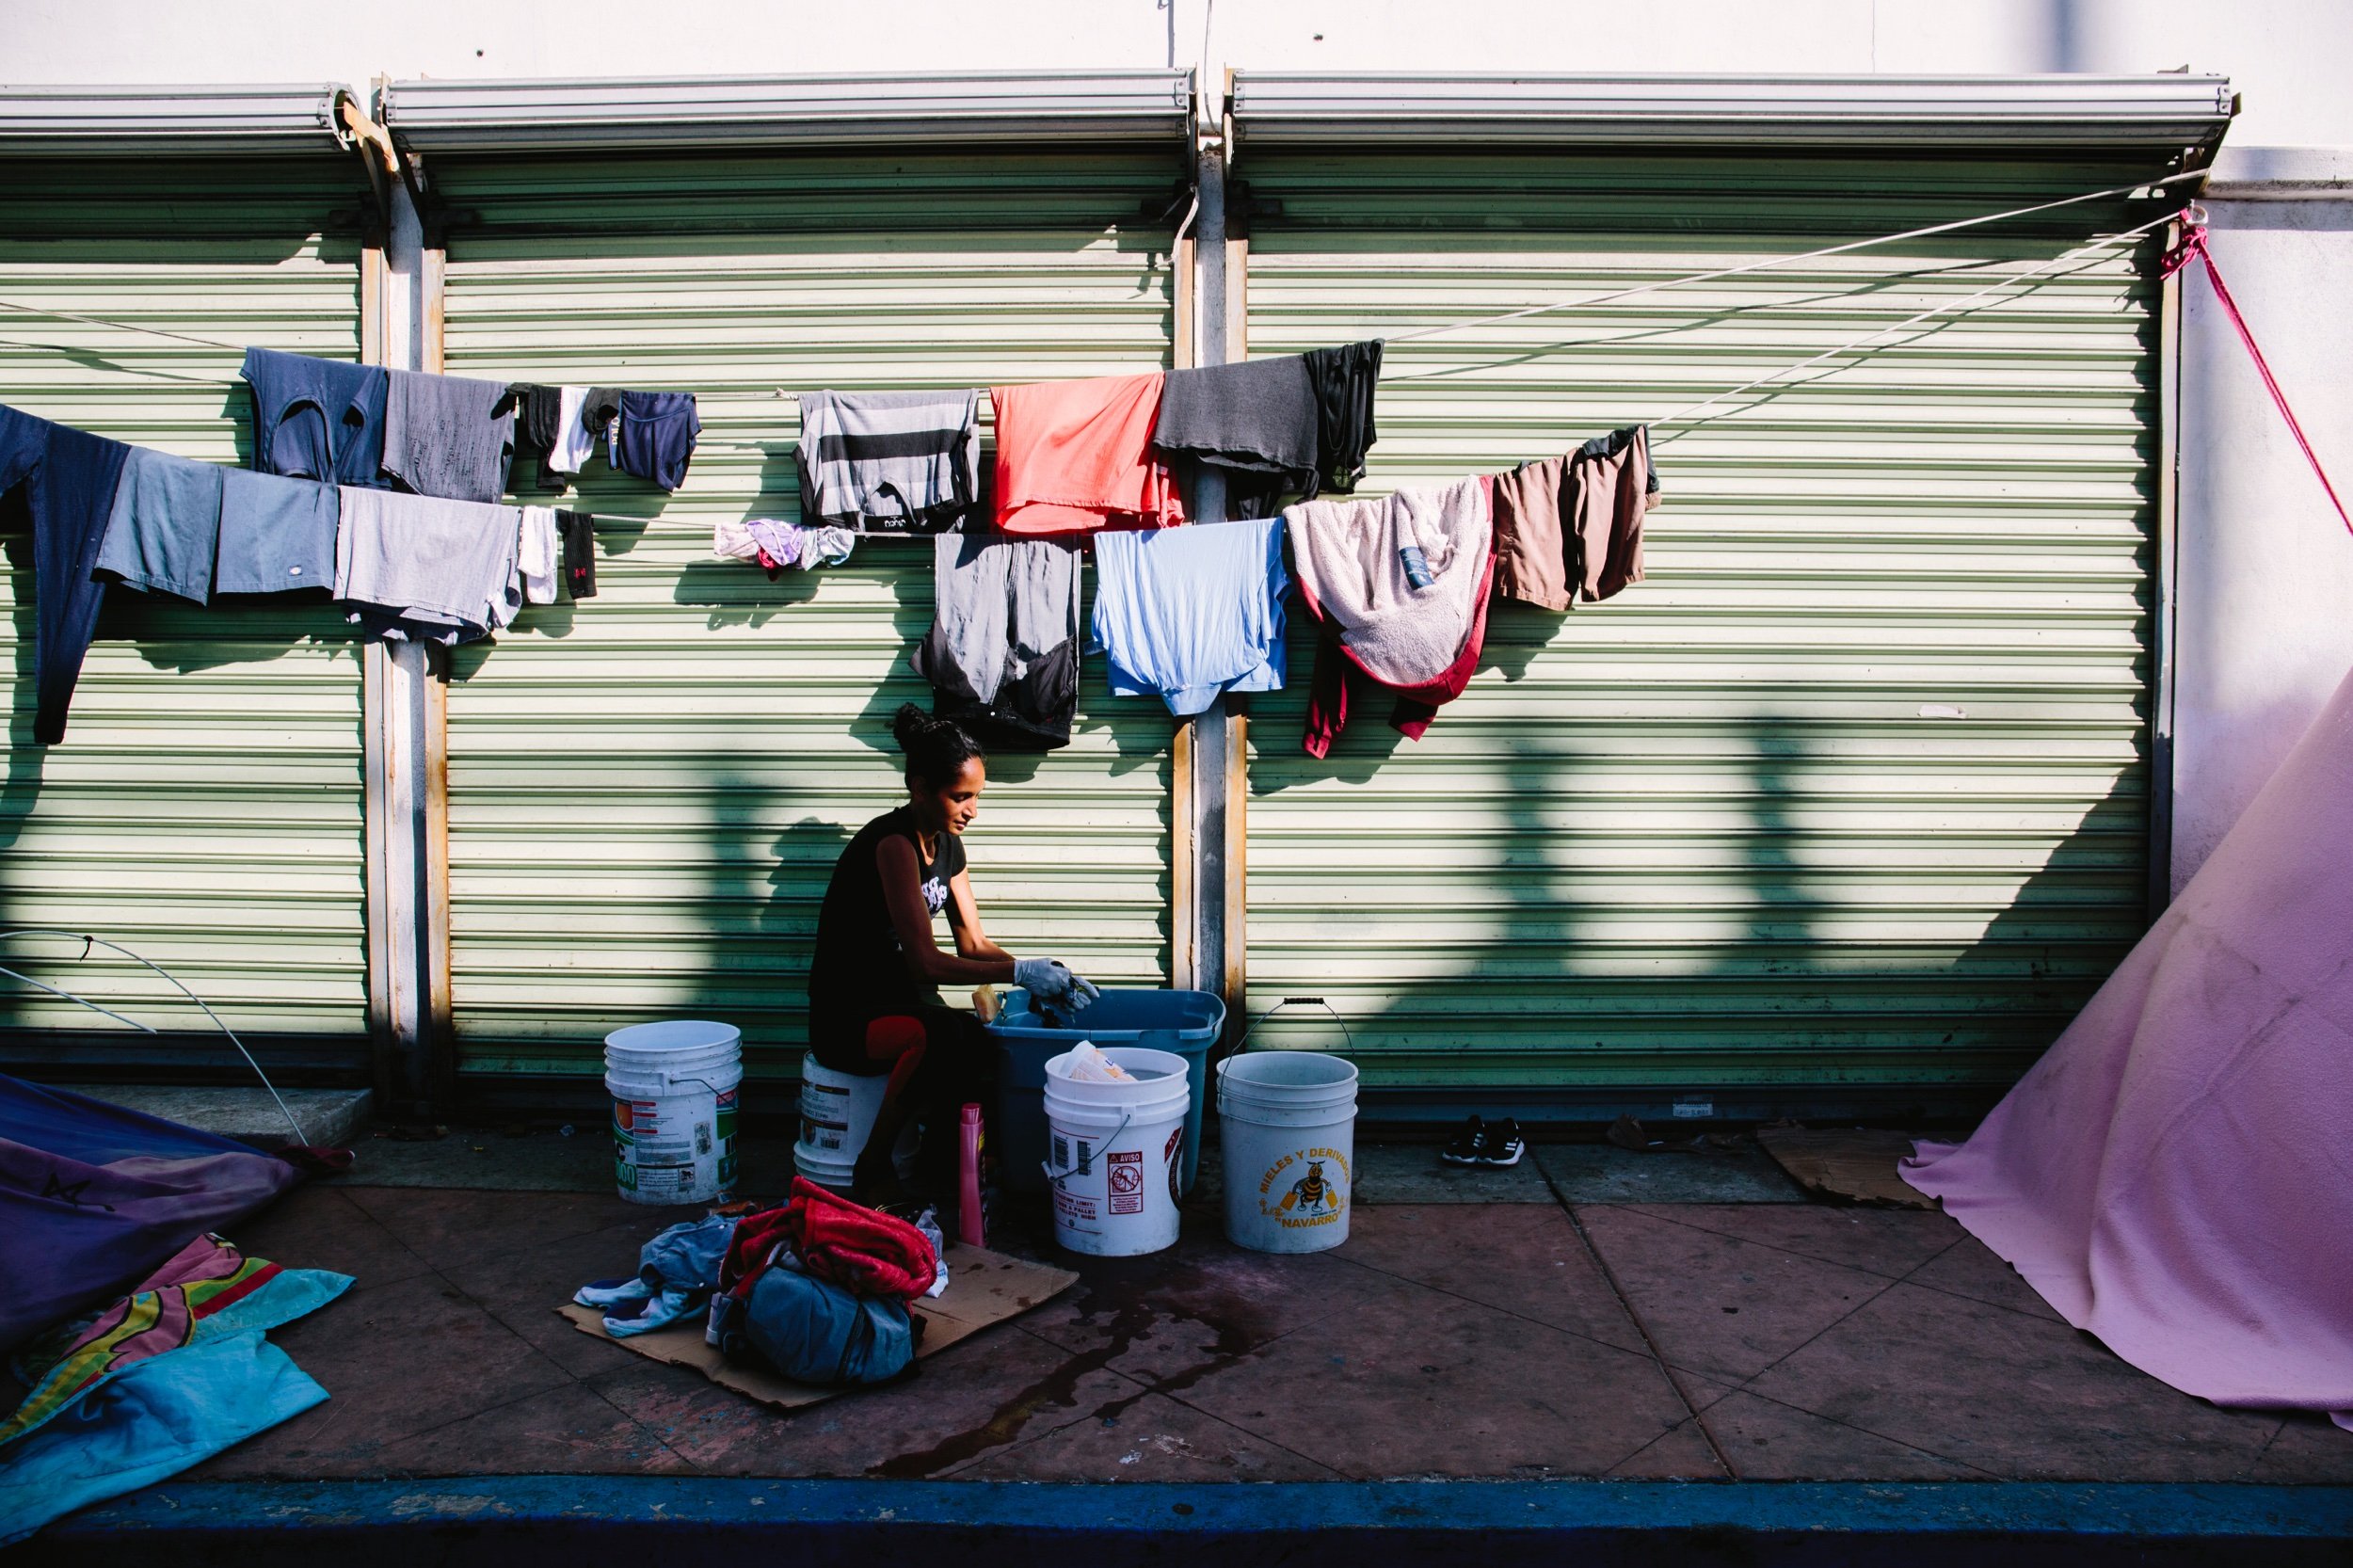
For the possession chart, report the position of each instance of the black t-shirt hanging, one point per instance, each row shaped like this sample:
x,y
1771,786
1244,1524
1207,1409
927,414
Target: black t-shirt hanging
x,y
1345,380
859,969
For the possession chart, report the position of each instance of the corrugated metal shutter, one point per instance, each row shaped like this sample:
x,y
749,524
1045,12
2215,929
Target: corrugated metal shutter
x,y
648,790
1714,835
205,806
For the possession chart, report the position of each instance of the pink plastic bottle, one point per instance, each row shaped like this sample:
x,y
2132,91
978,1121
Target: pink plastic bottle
x,y
970,1230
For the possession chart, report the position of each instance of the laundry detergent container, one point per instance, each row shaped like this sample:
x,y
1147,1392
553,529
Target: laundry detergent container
x,y
1183,1023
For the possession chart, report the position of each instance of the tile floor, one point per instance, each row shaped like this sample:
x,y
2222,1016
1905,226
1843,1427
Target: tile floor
x,y
1528,1337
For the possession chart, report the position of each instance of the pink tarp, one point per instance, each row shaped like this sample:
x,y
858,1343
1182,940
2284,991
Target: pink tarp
x,y
2176,1175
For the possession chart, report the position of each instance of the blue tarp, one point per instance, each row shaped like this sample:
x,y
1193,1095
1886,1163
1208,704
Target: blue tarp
x,y
99,1197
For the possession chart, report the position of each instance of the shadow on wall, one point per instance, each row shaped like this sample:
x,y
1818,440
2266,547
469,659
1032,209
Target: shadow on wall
x,y
1854,959
2062,932
1696,968
2223,760
2064,27
1430,914
123,826
1369,742
802,860
738,593
1723,915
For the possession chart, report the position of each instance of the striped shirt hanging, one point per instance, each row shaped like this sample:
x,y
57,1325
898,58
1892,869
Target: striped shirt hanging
x,y
895,462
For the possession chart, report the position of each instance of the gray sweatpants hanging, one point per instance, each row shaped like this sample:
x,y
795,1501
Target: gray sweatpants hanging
x,y
1002,656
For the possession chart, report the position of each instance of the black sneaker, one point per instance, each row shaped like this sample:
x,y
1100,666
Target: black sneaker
x,y
1503,1144
1465,1146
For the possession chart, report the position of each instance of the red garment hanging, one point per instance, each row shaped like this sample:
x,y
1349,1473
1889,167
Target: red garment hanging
x,y
1073,456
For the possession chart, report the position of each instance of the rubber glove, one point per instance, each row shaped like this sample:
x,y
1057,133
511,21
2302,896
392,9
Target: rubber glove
x,y
1051,984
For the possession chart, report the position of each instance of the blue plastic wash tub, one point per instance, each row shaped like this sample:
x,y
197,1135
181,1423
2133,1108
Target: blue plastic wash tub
x,y
1183,1022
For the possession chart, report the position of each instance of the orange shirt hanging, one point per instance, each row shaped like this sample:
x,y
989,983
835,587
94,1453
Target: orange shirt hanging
x,y
1073,456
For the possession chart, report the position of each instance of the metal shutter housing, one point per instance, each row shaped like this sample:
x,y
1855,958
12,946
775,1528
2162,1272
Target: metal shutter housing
x,y
2165,112
172,121
1023,108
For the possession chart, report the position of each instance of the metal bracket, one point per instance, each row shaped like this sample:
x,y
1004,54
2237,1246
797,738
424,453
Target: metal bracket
x,y
1160,211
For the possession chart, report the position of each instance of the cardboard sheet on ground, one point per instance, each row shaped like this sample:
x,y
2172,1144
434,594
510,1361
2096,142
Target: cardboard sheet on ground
x,y
1856,1164
983,1287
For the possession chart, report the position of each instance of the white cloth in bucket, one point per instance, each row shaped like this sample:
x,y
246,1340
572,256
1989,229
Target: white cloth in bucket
x,y
1088,1064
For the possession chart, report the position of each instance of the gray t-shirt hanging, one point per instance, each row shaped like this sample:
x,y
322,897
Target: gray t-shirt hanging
x,y
441,438
275,534
443,564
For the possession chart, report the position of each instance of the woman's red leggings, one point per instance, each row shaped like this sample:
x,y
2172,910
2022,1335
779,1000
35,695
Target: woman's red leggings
x,y
938,1058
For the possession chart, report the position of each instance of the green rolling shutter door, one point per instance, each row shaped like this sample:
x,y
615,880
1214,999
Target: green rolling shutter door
x,y
1850,795
205,809
648,791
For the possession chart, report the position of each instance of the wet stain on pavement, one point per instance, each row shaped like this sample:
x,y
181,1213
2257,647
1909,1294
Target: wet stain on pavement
x,y
1128,1299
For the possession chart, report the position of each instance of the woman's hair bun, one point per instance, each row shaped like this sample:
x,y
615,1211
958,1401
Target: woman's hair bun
x,y
936,749
910,722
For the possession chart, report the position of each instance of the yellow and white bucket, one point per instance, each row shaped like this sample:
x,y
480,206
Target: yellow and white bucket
x,y
1289,1122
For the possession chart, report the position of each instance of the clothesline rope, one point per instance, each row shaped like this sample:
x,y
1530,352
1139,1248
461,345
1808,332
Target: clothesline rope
x,y
118,326
2193,247
90,942
1685,416
1780,260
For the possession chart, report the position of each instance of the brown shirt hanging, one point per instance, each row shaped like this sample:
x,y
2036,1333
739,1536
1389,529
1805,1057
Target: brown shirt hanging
x,y
1610,486
1571,527
1531,554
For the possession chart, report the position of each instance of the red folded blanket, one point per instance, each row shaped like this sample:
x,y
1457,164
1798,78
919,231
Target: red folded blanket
x,y
865,1252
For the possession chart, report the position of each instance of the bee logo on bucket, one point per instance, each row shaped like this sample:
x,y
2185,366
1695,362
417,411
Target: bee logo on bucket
x,y
1317,1196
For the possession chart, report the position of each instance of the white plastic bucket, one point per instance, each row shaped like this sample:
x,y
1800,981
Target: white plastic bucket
x,y
674,1091
1289,1123
838,1111
1115,1153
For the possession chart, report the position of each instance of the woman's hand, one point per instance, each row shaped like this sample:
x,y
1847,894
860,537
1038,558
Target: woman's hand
x,y
1047,980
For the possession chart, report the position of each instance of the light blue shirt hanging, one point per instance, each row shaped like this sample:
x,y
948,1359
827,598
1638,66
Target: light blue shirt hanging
x,y
1183,614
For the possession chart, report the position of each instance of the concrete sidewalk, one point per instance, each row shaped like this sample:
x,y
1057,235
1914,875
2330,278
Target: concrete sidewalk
x,y
1518,1325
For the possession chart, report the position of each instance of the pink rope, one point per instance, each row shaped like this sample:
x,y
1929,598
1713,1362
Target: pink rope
x,y
2193,245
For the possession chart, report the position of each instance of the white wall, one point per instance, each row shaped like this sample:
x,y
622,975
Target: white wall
x,y
2281,52
2265,615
